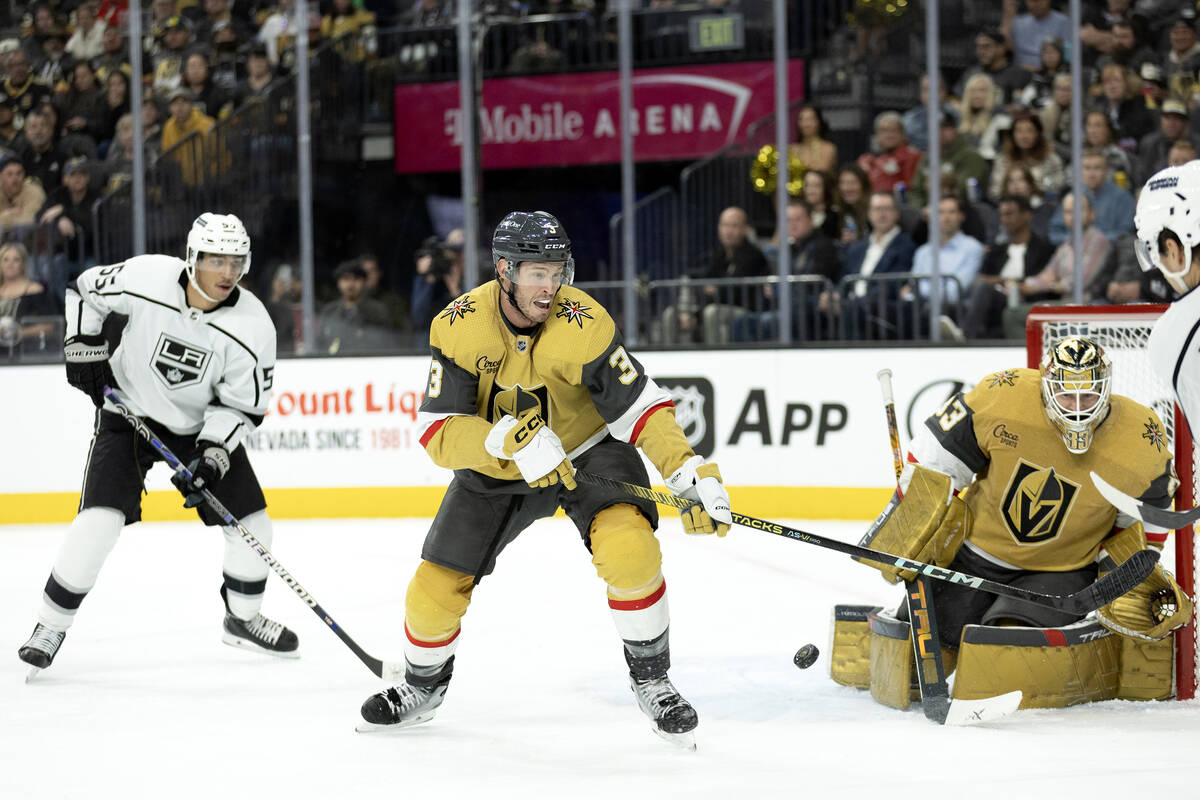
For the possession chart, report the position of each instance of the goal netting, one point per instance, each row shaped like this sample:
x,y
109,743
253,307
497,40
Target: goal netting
x,y
1123,331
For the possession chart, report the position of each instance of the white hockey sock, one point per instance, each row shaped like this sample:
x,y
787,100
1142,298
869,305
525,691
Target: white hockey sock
x,y
426,658
90,538
640,619
244,570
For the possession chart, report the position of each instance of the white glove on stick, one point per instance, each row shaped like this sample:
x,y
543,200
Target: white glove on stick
x,y
701,482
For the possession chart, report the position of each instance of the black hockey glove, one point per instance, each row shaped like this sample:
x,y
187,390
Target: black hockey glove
x,y
87,366
207,470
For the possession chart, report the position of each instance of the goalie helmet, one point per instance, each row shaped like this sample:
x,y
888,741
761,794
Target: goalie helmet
x,y
531,236
223,234
1076,384
1167,208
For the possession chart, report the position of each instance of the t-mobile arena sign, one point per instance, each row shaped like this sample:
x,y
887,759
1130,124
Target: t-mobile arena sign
x,y
554,120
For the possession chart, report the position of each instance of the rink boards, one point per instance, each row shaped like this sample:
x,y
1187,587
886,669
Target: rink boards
x,y
797,433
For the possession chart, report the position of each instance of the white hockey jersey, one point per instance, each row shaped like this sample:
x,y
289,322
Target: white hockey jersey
x,y
1174,349
196,372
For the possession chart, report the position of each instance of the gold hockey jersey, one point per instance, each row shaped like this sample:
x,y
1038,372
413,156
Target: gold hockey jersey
x,y
573,367
1034,504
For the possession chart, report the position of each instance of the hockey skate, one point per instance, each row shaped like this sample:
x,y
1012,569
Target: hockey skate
x,y
673,717
261,635
41,648
401,707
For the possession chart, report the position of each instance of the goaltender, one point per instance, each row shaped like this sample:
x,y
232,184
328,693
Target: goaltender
x,y
997,486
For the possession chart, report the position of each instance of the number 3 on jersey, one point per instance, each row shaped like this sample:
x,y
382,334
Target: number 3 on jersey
x,y
620,360
952,413
435,380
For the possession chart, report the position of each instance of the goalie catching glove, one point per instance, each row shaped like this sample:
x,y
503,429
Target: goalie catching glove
x,y
207,470
701,482
1154,607
533,447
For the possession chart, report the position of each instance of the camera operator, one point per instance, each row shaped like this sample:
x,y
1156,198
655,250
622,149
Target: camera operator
x,y
438,280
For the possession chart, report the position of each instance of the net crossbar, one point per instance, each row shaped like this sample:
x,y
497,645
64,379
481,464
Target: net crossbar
x,y
1123,331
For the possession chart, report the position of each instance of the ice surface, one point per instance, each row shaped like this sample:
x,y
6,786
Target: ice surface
x,y
144,701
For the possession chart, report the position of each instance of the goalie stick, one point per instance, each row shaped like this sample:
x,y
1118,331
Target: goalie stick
x,y
1126,504
1116,583
390,671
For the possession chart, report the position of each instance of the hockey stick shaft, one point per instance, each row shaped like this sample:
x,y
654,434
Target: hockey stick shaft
x,y
889,406
1116,583
380,668
1161,517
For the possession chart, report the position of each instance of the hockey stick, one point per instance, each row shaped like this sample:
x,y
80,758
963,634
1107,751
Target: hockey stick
x,y
1116,583
390,671
1161,517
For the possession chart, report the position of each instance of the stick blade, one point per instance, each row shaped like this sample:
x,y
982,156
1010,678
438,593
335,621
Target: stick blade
x,y
987,709
1116,583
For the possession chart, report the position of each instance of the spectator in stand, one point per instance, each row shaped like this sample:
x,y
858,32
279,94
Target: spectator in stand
x,y
982,119
1018,253
44,159
895,162
1099,134
916,119
82,107
88,40
152,127
818,193
43,19
217,16
349,19
1028,31
396,305
54,63
438,280
69,209
11,137
1125,108
114,54
959,160
959,257
1154,86
1056,116
1097,34
259,77
115,106
118,162
1112,206
22,87
1037,93
354,323
275,31
20,197
1028,146
1129,49
286,292
186,119
1019,182
168,62
1183,58
209,98
886,250
225,62
1057,279
735,256
991,55
853,201
21,296
1172,126
813,147
1181,153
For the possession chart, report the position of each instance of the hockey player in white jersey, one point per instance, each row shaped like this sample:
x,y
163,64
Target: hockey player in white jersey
x,y
194,358
1168,239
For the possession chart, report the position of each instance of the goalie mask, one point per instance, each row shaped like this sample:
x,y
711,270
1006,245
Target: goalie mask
x,y
1166,210
532,236
1076,384
221,234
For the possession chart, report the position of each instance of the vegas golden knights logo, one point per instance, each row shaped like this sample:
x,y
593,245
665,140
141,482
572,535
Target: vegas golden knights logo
x,y
516,400
1036,503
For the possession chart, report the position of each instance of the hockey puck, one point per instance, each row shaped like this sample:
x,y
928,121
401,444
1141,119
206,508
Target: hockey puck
x,y
806,656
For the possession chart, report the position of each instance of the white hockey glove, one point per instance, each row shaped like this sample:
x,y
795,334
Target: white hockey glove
x,y
534,448
701,482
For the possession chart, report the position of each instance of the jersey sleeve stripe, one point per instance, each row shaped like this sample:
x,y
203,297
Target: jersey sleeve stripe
x,y
432,430
625,427
641,423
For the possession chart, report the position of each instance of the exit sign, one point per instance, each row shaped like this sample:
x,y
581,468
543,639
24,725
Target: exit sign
x,y
716,32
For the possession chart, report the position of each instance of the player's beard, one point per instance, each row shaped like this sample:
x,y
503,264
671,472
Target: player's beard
x,y
526,307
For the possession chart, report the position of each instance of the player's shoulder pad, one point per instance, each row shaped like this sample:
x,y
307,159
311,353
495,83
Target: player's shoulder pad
x,y
1001,389
152,274
248,323
465,319
579,328
1143,431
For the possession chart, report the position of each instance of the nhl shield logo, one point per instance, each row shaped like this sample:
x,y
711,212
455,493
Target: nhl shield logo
x,y
178,363
694,411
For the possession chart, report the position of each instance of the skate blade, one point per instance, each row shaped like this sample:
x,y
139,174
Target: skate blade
x,y
370,727
243,644
684,741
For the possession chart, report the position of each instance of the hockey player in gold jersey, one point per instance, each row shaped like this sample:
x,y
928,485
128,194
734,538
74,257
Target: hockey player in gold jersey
x,y
529,377
997,485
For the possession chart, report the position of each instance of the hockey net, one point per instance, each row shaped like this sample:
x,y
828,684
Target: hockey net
x,y
1123,332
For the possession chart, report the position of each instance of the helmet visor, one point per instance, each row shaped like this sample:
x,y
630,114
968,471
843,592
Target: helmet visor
x,y
537,274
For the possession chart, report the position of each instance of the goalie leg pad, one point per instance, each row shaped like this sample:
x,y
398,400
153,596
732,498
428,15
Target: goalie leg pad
x,y
625,552
1053,667
891,662
436,601
850,657
927,524
1146,668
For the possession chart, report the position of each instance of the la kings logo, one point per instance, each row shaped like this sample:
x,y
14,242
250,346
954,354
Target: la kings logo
x,y
694,411
178,363
1036,503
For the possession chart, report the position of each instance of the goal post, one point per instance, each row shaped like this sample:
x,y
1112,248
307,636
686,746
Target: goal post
x,y
1123,331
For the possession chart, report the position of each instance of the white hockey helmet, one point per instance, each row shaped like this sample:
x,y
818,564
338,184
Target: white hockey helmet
x,y
1076,385
1169,205
217,233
